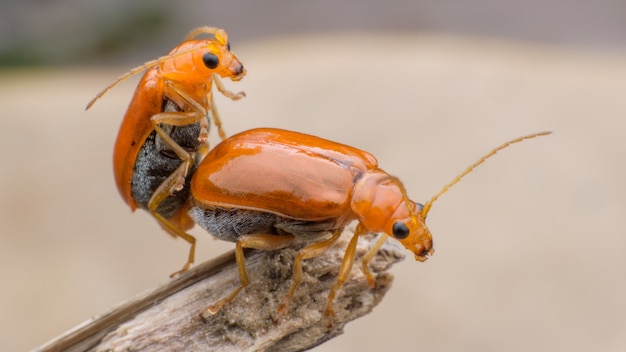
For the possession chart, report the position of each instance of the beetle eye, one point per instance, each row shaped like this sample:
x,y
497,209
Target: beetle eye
x,y
210,60
419,206
228,46
400,231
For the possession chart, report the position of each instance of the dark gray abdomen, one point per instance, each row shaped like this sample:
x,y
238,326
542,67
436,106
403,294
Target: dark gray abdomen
x,y
156,162
228,225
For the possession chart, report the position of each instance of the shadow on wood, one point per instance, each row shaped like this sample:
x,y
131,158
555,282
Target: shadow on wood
x,y
168,318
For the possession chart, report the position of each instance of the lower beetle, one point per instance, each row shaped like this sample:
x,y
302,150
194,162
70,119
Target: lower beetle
x,y
266,188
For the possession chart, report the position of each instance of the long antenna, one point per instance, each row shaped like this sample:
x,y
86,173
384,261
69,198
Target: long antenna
x,y
471,168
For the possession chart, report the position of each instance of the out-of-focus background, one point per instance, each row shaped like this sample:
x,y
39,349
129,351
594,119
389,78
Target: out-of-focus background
x,y
531,247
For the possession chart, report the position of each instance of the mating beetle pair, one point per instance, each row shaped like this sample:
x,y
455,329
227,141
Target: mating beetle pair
x,y
262,188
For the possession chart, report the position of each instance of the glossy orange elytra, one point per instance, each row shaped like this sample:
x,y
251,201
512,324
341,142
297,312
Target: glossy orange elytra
x,y
165,130
266,188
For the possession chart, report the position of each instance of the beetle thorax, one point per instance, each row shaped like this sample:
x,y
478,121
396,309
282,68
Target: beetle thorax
x,y
375,199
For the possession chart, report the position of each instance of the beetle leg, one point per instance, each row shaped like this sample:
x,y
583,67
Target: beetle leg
x,y
175,231
310,251
262,242
199,112
216,118
174,226
172,183
157,197
228,94
368,256
176,181
344,271
178,118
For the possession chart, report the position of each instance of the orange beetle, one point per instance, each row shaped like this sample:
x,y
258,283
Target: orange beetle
x,y
164,133
266,188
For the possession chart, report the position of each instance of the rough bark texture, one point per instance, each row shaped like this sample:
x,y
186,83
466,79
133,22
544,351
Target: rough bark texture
x,y
168,318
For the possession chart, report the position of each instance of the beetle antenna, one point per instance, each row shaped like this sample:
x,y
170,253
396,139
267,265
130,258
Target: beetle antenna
x,y
151,63
202,30
471,168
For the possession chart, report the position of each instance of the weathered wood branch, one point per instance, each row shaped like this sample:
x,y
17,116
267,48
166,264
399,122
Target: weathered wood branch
x,y
168,318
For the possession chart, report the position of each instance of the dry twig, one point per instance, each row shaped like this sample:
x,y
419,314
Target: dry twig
x,y
167,319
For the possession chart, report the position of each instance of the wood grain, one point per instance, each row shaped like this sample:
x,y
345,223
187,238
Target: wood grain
x,y
168,318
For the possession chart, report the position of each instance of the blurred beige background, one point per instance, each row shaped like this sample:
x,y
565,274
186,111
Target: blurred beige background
x,y
531,247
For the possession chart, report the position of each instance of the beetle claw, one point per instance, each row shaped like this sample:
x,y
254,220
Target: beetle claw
x,y
204,134
185,268
371,281
178,185
282,309
214,309
329,313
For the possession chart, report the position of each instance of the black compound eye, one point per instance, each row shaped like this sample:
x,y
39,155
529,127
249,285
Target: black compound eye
x,y
419,206
210,60
400,231
228,46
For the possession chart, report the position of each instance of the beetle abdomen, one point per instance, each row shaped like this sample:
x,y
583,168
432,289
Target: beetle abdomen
x,y
154,164
230,224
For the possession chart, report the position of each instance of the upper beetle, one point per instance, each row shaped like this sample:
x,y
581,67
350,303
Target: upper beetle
x,y
164,134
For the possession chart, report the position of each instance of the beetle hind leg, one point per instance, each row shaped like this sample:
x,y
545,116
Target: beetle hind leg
x,y
310,251
262,242
182,234
179,222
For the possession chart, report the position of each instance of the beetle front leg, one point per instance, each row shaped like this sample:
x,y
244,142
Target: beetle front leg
x,y
216,116
224,91
368,256
310,251
262,242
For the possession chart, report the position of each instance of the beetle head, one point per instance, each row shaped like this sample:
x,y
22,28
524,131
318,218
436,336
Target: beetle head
x,y
197,60
193,60
381,204
219,59
408,226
